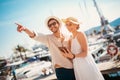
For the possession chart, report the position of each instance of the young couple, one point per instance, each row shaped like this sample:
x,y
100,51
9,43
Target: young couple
x,y
74,62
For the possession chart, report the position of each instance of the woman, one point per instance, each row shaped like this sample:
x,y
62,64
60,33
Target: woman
x,y
84,65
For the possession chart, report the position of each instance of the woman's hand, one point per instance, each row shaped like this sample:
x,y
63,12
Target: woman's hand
x,y
68,54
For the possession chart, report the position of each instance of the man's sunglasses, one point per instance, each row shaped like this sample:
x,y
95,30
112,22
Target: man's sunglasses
x,y
54,23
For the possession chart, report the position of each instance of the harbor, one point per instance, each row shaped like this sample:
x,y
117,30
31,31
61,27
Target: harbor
x,y
31,60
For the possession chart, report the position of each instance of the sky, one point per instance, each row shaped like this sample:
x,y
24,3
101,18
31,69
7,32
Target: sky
x,y
33,13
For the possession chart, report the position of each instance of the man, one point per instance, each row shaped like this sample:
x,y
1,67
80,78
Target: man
x,y
63,66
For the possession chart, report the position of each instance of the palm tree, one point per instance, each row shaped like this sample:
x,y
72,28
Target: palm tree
x,y
20,49
24,50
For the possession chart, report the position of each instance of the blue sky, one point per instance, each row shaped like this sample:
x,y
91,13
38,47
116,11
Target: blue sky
x,y
32,14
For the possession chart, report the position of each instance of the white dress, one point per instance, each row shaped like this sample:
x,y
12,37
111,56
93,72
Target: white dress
x,y
85,68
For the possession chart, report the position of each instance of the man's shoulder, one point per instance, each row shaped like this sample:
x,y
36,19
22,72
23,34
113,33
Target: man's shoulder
x,y
38,33
49,35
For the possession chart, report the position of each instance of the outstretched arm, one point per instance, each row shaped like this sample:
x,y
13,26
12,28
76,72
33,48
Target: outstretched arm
x,y
21,28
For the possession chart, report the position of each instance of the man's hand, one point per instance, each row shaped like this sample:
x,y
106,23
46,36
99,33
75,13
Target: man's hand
x,y
20,28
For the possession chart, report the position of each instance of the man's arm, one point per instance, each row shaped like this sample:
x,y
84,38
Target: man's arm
x,y
36,36
21,28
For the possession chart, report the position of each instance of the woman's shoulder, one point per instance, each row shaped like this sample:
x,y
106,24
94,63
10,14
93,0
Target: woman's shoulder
x,y
81,37
80,34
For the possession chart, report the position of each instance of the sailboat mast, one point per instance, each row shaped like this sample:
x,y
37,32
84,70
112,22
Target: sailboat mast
x,y
98,10
104,22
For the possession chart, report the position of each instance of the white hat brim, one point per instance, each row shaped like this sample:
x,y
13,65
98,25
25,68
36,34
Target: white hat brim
x,y
56,18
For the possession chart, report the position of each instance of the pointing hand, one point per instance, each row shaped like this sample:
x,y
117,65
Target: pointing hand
x,y
20,28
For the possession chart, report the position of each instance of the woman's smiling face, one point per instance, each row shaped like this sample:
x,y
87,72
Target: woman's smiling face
x,y
71,27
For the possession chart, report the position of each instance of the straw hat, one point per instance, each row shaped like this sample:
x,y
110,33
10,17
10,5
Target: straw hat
x,y
71,19
52,17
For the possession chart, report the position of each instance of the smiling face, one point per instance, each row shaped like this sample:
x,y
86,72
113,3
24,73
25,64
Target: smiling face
x,y
71,26
53,25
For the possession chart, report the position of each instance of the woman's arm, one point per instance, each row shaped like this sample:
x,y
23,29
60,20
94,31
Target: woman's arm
x,y
84,46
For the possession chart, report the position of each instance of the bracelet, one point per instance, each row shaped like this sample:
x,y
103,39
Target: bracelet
x,y
24,29
73,56
33,36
